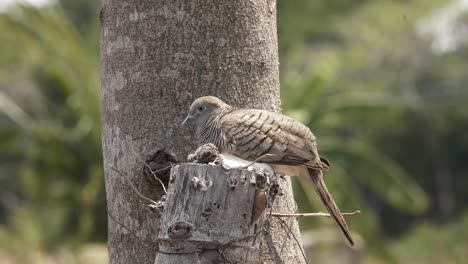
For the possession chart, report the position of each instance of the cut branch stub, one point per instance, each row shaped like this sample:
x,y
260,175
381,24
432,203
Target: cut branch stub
x,y
207,216
159,166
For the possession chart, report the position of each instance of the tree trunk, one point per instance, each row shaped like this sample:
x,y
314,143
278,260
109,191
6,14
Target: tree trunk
x,y
156,58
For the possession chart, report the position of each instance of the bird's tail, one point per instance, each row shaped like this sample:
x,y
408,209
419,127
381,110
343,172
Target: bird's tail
x,y
319,186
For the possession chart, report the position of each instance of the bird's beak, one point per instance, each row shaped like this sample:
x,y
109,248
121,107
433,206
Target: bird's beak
x,y
187,121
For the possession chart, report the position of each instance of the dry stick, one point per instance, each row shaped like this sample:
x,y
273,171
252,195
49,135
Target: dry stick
x,y
122,225
262,229
285,226
257,160
222,248
319,214
285,241
133,186
132,232
152,172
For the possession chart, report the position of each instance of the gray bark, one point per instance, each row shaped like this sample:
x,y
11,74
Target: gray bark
x,y
156,58
207,217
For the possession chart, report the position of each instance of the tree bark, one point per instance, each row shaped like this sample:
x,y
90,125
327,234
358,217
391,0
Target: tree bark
x,y
156,58
207,216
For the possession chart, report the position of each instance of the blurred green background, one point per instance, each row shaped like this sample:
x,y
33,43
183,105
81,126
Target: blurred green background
x,y
383,85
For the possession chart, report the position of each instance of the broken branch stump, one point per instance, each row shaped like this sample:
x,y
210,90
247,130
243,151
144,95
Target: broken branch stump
x,y
207,216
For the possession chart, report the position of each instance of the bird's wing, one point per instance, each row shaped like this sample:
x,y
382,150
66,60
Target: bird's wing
x,y
270,137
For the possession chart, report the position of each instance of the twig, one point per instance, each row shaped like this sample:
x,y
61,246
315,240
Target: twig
x,y
152,172
319,214
285,226
257,160
132,232
260,231
133,186
285,241
122,225
222,248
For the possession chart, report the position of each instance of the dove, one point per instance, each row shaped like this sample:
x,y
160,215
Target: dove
x,y
255,135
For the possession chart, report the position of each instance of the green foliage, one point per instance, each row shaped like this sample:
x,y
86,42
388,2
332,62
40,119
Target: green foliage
x,y
431,243
52,183
387,110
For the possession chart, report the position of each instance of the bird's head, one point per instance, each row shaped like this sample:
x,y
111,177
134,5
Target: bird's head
x,y
202,109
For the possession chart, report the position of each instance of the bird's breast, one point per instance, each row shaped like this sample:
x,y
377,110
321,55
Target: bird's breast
x,y
233,161
290,170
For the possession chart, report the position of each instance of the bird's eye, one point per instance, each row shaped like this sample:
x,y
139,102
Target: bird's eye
x,y
201,108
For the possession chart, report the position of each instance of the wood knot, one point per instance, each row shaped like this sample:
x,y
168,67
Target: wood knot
x,y
262,179
201,184
179,230
243,180
232,181
207,212
159,165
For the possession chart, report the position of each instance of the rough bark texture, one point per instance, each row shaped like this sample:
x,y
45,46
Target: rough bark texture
x,y
156,58
206,217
